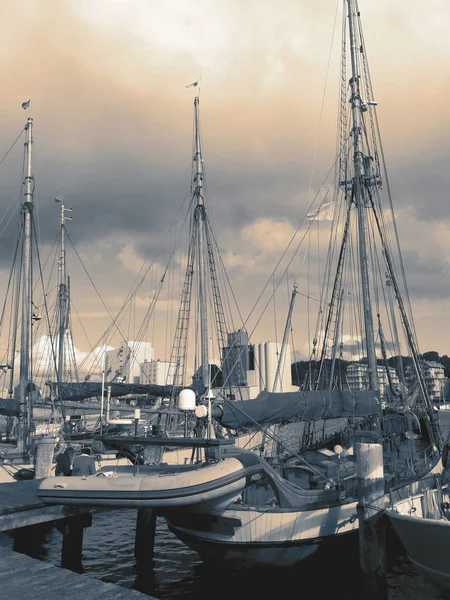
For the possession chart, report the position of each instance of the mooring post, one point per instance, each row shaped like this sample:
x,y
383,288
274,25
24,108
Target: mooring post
x,y
72,545
372,533
44,457
144,542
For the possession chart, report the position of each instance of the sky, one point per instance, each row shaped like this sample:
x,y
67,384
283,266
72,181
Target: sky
x,y
113,131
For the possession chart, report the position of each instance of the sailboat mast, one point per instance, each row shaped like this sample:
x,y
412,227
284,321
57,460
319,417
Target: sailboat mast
x,y
26,409
359,199
287,331
63,302
200,220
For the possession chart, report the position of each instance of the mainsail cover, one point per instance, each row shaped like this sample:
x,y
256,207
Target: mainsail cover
x,y
89,389
270,408
9,408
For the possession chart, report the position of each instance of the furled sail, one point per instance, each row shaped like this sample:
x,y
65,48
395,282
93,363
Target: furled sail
x,y
270,408
89,389
9,408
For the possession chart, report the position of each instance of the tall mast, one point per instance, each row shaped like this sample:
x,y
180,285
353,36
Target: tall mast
x,y
26,409
63,297
359,199
200,221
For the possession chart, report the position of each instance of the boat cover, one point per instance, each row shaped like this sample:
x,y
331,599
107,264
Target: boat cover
x,y
89,389
269,408
9,408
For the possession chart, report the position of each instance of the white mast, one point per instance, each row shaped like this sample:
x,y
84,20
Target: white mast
x,y
26,408
284,343
200,220
359,198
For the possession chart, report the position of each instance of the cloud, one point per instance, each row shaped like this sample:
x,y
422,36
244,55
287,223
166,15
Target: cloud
x,y
427,263
113,129
130,260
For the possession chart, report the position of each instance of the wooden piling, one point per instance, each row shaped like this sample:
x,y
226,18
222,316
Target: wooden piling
x,y
44,457
72,545
372,533
144,542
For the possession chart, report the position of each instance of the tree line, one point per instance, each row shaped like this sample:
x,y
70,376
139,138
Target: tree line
x,y
301,368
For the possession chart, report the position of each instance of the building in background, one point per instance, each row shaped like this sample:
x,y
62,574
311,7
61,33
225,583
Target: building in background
x,y
358,378
434,375
250,369
238,361
124,364
159,372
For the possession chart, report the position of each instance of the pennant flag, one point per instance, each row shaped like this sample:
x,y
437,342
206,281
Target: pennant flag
x,y
26,104
323,213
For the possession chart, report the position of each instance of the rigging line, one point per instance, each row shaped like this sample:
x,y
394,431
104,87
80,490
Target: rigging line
x,y
11,273
104,336
10,351
391,208
12,343
274,314
294,235
49,290
139,277
308,304
13,144
72,305
10,218
323,97
144,325
225,273
114,319
45,302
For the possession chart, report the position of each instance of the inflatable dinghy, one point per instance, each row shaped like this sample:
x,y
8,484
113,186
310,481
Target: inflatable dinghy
x,y
206,485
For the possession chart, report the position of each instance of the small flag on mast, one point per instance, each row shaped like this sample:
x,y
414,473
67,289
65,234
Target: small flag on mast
x,y
194,84
323,213
26,104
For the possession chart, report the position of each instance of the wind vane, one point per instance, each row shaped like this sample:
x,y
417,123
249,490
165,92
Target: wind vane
x,y
194,84
26,104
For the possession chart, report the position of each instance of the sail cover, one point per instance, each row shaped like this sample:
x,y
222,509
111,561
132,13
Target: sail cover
x,y
270,408
89,389
9,408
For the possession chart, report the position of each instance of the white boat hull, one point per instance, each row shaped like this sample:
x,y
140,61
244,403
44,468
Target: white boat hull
x,y
271,536
426,541
252,537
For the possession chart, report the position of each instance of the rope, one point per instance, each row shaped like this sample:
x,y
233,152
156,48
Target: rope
x,y
12,145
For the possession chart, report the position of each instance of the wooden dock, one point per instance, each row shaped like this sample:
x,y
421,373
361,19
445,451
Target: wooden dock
x,y
20,506
24,577
21,511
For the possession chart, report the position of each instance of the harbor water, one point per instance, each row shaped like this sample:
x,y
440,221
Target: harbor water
x,y
178,573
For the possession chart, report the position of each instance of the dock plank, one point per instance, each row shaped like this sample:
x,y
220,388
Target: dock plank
x,y
20,506
28,577
19,495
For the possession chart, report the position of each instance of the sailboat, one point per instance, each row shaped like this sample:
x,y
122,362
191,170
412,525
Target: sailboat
x,y
25,428
204,478
306,495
